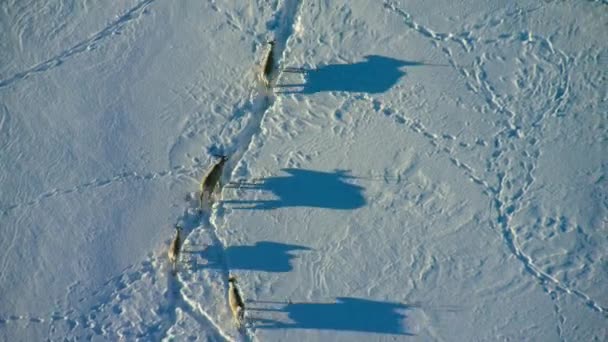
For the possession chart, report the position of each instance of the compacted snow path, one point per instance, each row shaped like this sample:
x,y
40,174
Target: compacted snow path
x,y
201,228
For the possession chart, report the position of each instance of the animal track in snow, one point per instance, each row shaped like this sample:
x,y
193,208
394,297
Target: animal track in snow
x,y
248,116
83,46
177,171
541,69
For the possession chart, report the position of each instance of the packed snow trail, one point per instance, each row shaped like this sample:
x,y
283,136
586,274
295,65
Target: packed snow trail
x,y
205,231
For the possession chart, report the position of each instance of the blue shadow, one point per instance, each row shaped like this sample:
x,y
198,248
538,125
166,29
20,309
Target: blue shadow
x,y
375,75
265,256
346,314
305,188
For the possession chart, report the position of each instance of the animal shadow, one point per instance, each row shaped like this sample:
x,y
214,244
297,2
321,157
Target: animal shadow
x,y
265,256
345,314
304,188
376,74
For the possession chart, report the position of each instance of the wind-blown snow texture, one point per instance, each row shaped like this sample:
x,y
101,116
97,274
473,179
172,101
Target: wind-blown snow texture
x,y
429,170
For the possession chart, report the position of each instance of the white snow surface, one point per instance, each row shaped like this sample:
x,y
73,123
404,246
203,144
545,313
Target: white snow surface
x,y
421,170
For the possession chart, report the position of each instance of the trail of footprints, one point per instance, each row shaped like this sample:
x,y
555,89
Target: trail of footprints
x,y
83,46
192,221
177,171
509,190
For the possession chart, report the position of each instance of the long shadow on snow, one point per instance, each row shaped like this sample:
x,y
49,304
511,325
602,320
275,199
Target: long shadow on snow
x,y
266,256
375,75
347,314
304,188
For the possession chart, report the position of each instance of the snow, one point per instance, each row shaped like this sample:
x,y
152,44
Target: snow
x,y
420,170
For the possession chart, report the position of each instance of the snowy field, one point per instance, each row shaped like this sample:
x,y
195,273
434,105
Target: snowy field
x,y
421,170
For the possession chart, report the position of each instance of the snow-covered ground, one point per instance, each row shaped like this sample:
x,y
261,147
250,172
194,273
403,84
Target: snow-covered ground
x,y
429,170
